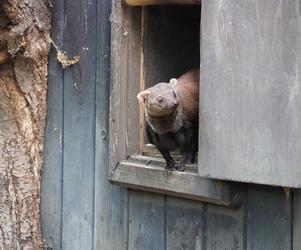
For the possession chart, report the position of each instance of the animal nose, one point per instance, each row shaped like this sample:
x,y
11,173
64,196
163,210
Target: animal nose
x,y
175,102
159,99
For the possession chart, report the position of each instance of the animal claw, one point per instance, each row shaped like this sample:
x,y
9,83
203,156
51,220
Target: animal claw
x,y
180,166
169,168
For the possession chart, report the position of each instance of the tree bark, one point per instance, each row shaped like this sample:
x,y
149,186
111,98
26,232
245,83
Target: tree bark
x,y
24,48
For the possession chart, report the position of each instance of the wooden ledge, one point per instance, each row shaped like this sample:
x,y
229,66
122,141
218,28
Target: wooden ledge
x,y
148,174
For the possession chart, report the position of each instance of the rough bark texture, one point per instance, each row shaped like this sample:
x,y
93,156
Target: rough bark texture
x,y
24,47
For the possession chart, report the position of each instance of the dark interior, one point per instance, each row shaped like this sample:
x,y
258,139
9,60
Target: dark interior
x,y
170,41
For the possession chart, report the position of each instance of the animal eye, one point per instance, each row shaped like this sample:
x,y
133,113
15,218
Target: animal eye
x,y
174,94
159,99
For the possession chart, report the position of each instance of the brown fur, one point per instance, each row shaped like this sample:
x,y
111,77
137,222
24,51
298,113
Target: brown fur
x,y
179,106
188,92
171,112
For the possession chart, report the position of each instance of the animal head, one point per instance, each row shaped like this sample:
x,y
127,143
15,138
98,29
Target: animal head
x,y
161,99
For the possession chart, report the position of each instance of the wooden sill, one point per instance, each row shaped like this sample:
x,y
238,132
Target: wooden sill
x,y
148,174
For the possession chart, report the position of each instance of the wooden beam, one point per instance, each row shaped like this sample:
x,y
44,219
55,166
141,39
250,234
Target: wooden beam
x,y
145,173
160,2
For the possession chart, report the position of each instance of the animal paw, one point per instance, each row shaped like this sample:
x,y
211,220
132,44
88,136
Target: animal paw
x,y
170,166
180,166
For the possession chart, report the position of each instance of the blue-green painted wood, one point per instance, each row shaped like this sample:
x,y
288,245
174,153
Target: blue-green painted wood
x,y
225,228
185,224
269,220
51,186
146,221
110,219
296,220
79,126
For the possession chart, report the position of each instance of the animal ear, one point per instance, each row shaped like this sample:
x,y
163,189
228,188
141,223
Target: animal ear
x,y
143,96
173,82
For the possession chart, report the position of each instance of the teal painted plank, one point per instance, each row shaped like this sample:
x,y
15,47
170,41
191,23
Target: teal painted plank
x,y
79,126
225,228
110,220
146,221
51,186
269,219
185,224
296,220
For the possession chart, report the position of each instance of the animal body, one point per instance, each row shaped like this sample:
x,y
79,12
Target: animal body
x,y
172,113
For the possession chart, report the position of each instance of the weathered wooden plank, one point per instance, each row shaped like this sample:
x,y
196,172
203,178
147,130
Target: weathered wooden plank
x,y
185,224
269,219
134,78
146,221
79,124
125,82
51,186
117,119
145,173
250,100
225,227
110,219
296,220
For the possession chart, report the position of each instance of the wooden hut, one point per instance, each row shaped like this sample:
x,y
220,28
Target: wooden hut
x,y
104,188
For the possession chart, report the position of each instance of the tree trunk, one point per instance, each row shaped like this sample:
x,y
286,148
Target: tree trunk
x,y
24,47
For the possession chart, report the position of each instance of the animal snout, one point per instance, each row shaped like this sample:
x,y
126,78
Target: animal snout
x,y
175,102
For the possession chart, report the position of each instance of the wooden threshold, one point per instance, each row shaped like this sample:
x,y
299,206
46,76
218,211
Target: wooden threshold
x,y
148,174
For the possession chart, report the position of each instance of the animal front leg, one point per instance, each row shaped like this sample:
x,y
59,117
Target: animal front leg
x,y
188,159
190,150
154,138
170,163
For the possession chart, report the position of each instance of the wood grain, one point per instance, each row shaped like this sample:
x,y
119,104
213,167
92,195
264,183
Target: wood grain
x,y
185,224
269,219
225,228
79,120
145,173
125,83
146,221
250,99
110,202
52,171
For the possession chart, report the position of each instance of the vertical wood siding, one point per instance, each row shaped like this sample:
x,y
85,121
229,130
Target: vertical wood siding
x,y
82,210
52,171
110,208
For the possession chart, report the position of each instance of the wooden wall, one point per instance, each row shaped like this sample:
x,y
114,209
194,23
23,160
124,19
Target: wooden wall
x,y
82,210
